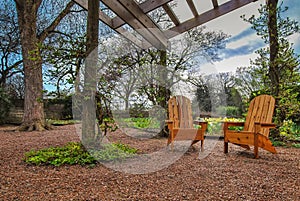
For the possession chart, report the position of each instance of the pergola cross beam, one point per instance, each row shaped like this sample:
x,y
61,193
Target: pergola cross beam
x,y
135,15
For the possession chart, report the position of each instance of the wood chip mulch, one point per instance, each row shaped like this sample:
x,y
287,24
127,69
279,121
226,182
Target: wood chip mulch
x,y
218,176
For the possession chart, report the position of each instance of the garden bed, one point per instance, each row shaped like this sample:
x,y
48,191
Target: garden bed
x,y
235,176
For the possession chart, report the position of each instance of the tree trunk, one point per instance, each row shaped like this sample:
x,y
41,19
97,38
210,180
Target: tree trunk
x,y
274,46
33,118
163,91
274,71
90,75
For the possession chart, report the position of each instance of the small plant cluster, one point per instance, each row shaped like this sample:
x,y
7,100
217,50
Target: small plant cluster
x,y
215,124
142,122
5,103
75,153
290,134
62,122
113,151
108,124
290,130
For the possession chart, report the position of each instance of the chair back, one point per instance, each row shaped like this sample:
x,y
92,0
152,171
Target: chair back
x,y
261,109
180,111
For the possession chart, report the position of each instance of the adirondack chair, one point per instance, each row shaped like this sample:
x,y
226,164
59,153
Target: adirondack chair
x,y
181,124
256,127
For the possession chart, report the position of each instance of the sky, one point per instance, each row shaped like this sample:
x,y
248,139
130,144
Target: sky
x,y
244,42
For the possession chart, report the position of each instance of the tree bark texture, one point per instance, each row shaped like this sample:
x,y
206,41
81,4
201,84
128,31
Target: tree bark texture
x,y
90,75
33,118
164,90
274,46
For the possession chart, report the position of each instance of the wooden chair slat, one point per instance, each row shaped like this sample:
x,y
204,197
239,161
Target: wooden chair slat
x,y
256,128
180,114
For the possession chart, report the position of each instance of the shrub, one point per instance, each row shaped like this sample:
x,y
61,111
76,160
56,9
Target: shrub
x,y
229,111
4,105
296,145
278,143
75,153
141,122
290,130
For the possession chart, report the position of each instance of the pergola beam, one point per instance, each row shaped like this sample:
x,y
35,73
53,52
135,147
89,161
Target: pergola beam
x,y
146,7
215,3
171,14
108,21
206,16
192,7
130,12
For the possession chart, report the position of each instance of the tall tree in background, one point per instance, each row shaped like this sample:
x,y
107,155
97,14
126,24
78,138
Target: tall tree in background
x,y
273,45
31,42
277,65
10,48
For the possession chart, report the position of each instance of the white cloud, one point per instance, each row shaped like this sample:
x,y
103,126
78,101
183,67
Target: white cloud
x,y
242,41
228,65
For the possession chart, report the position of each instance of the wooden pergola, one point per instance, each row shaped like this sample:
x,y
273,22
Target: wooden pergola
x,y
136,14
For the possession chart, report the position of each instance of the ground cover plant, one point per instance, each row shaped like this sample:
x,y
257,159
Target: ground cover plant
x,y
59,122
140,122
75,153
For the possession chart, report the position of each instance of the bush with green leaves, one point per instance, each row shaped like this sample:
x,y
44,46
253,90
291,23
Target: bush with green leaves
x,y
215,125
290,130
141,122
5,104
113,151
229,111
296,145
75,153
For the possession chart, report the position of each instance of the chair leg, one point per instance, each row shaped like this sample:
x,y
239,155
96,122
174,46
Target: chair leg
x,y
225,147
257,128
202,147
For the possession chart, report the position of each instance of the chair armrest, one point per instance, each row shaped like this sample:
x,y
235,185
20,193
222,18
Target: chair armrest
x,y
199,122
169,121
265,125
227,124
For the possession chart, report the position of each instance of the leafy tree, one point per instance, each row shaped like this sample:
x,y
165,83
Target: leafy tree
x,y
5,103
203,95
10,47
152,76
32,37
217,87
277,65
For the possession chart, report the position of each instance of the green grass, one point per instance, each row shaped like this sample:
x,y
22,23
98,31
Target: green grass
x,y
279,144
75,153
61,122
215,125
141,123
296,145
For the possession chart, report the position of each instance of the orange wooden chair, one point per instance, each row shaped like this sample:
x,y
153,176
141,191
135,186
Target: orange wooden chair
x,y
181,124
256,127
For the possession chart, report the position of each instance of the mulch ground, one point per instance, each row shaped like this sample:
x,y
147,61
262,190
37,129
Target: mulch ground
x,y
218,176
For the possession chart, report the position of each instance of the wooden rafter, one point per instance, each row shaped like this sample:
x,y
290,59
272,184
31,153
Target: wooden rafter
x,y
171,14
192,7
135,15
215,3
146,6
206,17
107,20
131,13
